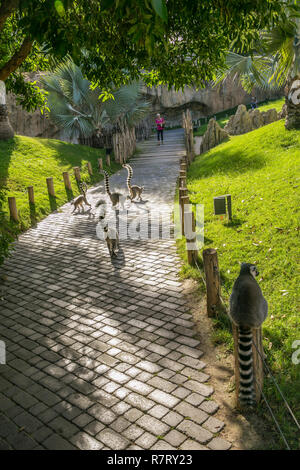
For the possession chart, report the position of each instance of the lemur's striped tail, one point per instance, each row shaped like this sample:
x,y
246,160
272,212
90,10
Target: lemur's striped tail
x,y
246,391
106,182
130,173
83,187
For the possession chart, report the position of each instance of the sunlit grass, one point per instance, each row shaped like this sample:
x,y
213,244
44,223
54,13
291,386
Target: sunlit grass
x,y
261,172
28,161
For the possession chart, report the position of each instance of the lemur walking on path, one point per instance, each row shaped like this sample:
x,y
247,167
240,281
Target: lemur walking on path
x,y
134,191
116,198
81,199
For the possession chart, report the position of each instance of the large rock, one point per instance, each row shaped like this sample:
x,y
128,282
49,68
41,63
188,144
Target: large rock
x,y
256,118
240,123
245,121
213,136
269,116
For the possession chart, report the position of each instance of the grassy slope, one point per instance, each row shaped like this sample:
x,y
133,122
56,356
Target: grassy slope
x,y
261,172
26,161
277,104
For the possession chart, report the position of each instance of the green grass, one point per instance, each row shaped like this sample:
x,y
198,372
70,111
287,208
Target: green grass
x,y
260,170
26,161
222,120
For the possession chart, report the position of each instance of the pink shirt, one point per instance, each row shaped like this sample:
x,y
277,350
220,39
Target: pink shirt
x,y
159,123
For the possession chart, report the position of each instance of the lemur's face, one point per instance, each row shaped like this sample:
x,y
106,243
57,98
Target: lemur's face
x,y
254,271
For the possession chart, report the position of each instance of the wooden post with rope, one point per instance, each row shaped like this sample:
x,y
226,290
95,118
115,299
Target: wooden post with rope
x,y
77,173
184,200
30,194
190,234
50,186
212,275
90,168
13,209
67,181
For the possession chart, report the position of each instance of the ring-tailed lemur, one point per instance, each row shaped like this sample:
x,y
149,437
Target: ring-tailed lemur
x,y
79,200
110,234
114,197
112,240
248,309
134,191
102,212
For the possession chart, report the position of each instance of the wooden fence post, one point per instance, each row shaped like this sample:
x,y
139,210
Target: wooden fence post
x,y
182,193
90,169
183,166
184,201
30,194
13,209
182,179
77,173
100,163
50,186
67,180
212,275
190,234
108,160
258,371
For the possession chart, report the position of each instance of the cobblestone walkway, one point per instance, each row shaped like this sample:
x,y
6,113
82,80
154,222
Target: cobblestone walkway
x,y
103,355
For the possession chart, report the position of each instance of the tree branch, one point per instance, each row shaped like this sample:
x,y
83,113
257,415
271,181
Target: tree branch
x,y
6,9
17,59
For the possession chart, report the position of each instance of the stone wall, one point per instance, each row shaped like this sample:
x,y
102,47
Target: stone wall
x,y
202,103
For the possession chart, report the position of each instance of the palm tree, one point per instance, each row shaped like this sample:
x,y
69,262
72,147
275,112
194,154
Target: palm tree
x,y
6,131
277,64
77,109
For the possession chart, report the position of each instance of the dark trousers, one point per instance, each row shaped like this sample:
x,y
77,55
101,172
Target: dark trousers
x,y
160,134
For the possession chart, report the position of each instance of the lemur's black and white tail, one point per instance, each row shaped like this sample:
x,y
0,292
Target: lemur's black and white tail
x,y
246,391
106,182
129,176
83,187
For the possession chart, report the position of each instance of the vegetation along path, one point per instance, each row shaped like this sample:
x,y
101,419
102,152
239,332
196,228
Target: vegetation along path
x,y
103,354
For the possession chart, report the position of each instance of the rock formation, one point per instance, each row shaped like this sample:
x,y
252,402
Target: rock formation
x,y
213,136
202,103
245,121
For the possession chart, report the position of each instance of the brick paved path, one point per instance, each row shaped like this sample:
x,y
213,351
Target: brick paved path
x,y
103,355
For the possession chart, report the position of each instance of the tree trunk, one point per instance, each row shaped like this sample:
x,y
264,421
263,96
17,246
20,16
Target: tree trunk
x,y
6,131
293,105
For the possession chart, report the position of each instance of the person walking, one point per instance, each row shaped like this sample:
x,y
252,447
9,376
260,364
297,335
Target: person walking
x,y
160,124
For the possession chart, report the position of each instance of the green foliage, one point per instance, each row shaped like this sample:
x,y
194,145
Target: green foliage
x,y
8,233
260,171
26,161
75,106
174,42
273,60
